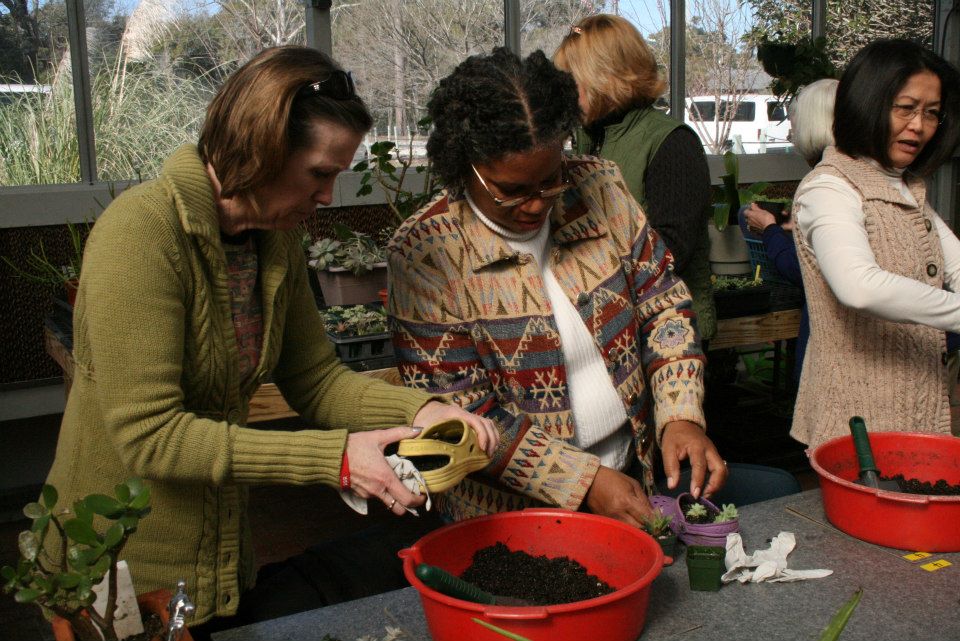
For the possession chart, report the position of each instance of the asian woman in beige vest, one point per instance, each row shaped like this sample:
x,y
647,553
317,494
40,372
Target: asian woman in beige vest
x,y
881,270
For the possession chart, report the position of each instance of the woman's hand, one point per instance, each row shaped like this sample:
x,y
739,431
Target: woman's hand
x,y
370,474
618,496
686,440
758,219
433,412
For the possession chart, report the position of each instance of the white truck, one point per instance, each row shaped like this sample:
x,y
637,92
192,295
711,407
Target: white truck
x,y
747,123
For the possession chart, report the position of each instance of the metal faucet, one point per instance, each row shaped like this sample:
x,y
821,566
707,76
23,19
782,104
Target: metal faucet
x,y
180,607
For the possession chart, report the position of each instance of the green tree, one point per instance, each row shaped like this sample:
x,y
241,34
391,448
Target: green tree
x,y
850,24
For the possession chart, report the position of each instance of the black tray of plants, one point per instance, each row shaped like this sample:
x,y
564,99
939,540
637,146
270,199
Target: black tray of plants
x,y
360,335
740,296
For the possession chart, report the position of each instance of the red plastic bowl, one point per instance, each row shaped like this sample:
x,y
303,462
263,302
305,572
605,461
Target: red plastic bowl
x,y
905,521
626,558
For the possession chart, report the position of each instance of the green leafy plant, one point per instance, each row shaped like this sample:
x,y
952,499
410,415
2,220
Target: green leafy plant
x,y
731,283
728,512
696,511
39,268
354,320
839,620
734,197
657,524
351,250
389,169
794,64
59,575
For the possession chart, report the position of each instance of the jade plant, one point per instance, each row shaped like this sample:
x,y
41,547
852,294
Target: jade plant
x,y
63,555
389,169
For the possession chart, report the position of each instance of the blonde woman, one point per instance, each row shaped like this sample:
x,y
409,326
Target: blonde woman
x,y
661,159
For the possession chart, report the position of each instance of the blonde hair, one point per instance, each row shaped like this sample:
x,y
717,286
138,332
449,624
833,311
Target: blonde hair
x,y
811,119
613,66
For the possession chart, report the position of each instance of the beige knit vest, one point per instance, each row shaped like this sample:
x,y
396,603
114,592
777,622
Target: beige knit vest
x,y
892,374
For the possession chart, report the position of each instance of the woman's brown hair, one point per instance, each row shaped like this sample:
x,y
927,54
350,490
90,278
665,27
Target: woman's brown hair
x,y
612,65
261,115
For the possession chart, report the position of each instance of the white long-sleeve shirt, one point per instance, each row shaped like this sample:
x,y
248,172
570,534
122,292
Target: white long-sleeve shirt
x,y
598,412
829,215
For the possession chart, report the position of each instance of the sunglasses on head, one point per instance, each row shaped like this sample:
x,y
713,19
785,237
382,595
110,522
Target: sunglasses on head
x,y
338,85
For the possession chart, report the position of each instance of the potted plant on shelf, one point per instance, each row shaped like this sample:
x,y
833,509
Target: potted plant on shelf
x,y
39,268
657,525
351,268
360,335
389,169
62,573
728,249
739,296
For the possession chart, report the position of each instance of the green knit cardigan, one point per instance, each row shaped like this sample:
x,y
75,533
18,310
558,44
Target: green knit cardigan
x,y
157,391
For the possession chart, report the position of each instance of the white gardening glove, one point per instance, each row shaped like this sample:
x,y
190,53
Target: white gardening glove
x,y
768,565
406,472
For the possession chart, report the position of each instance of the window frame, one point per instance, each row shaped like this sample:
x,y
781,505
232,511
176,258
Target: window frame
x,y
32,205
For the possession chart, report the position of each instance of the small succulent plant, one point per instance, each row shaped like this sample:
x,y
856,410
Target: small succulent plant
x,y
657,524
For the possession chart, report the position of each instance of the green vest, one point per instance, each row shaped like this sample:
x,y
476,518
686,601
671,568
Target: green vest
x,y
632,143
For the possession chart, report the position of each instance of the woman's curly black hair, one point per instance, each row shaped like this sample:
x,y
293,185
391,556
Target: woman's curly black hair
x,y
494,105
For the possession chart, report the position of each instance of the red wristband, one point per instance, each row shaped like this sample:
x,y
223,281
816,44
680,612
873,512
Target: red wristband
x,y
344,472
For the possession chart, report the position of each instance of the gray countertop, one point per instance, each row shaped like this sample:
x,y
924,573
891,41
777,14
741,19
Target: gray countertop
x,y
900,599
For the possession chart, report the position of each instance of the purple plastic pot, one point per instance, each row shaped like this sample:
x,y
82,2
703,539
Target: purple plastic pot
x,y
712,534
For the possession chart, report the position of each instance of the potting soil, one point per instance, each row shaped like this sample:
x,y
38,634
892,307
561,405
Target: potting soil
x,y
686,502
537,579
916,486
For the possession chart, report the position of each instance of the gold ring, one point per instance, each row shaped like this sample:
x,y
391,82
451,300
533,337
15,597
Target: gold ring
x,y
394,502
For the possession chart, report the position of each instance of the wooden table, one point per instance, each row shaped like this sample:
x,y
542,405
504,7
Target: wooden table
x,y
267,403
762,328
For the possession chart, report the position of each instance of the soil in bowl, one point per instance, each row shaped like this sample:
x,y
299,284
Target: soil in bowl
x,y
540,580
916,486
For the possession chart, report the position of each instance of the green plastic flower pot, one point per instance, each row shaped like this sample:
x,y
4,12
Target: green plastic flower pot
x,y
668,543
705,567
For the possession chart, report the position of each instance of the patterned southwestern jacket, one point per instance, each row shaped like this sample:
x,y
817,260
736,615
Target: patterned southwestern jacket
x,y
471,321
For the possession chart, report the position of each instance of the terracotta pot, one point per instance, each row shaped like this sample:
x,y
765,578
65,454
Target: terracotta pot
x,y
71,286
150,603
383,293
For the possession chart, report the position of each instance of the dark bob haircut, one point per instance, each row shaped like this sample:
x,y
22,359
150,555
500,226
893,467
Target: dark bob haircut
x,y
868,87
493,105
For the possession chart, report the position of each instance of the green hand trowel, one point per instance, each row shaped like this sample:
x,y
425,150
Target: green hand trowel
x,y
444,453
451,585
869,474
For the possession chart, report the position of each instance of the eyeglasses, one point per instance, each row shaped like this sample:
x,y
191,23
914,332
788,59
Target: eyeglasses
x,y
338,85
909,112
543,194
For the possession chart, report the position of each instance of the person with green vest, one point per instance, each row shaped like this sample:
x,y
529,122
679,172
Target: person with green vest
x,y
194,291
661,159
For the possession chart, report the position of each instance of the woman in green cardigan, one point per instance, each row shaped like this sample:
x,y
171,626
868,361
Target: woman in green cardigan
x,y
661,159
195,291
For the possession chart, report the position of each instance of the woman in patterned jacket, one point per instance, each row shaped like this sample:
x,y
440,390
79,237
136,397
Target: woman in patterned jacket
x,y
534,292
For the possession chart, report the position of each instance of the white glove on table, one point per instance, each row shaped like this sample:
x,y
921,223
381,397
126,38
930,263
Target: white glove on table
x,y
406,472
768,565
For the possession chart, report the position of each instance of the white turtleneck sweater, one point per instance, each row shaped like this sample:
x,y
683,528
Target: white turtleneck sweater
x,y
598,414
829,215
